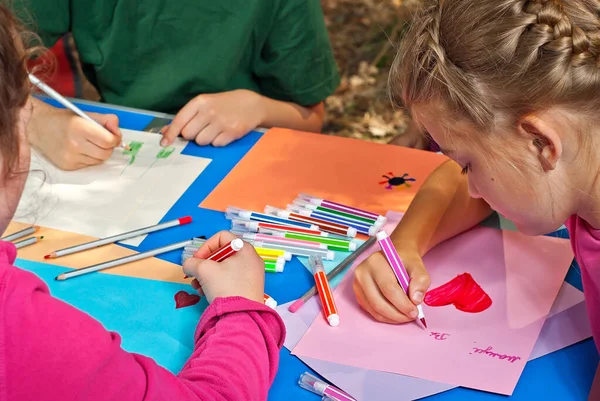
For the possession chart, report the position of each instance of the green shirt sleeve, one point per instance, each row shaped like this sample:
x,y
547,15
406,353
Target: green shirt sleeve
x,y
50,19
296,63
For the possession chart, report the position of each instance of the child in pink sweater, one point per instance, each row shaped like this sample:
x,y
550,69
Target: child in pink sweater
x,y
52,351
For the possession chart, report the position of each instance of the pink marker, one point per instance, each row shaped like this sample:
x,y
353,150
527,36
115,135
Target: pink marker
x,y
329,392
397,267
280,240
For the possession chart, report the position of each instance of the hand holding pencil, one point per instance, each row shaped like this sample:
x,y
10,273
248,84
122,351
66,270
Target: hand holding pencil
x,y
242,274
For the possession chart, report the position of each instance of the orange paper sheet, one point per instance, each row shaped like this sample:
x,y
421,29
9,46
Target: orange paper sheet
x,y
284,163
151,268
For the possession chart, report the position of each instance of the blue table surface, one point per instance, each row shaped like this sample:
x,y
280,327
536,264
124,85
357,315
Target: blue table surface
x,y
563,375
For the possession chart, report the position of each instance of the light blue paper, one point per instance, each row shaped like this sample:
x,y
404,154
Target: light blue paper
x,y
142,311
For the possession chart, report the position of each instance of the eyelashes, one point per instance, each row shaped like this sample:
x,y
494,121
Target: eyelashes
x,y
465,170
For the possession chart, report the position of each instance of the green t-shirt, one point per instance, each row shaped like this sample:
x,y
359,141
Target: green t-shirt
x,y
159,54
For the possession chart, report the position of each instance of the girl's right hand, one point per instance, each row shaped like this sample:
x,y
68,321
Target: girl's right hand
x,y
242,274
379,293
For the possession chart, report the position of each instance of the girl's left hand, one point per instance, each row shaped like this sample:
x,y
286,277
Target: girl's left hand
x,y
216,119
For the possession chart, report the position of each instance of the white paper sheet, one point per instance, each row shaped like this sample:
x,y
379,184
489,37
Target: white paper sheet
x,y
120,195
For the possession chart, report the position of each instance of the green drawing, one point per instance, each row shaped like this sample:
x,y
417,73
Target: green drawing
x,y
134,148
165,152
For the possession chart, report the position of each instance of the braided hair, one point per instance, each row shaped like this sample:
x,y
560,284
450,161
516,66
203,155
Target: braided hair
x,y
491,62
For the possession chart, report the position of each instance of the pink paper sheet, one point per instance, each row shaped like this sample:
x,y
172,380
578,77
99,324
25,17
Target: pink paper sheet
x,y
567,324
535,268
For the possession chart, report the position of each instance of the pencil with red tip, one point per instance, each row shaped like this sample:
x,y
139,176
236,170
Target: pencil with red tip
x,y
324,290
20,234
118,237
397,267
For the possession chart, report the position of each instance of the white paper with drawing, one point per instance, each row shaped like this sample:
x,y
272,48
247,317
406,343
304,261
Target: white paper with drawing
x,y
133,189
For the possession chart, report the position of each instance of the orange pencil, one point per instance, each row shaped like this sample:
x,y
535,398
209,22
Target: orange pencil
x,y
325,293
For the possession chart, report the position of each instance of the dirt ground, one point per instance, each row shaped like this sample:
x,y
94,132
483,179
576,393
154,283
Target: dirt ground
x,y
364,35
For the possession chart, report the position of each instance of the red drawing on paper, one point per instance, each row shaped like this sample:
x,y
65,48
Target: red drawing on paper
x,y
463,292
488,351
393,181
183,299
439,336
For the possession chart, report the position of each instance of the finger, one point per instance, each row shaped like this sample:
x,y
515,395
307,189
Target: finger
x,y
194,127
419,284
196,285
224,139
362,301
185,115
213,243
392,291
208,134
95,152
198,268
378,301
111,123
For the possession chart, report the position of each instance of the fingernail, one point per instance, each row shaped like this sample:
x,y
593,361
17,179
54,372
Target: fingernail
x,y
418,297
413,314
163,142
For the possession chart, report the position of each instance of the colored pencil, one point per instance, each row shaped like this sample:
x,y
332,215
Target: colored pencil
x,y
20,234
398,267
342,207
28,241
118,237
272,266
323,225
339,269
65,102
273,252
123,260
328,391
324,290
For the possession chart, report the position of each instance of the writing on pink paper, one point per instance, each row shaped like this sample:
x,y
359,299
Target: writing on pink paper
x,y
439,336
488,351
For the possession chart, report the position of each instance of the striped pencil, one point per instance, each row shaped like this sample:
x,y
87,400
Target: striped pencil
x,y
327,226
226,250
118,237
20,234
256,226
281,240
324,290
270,302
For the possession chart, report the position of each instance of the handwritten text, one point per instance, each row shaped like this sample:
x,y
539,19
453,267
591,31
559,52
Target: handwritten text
x,y
439,336
488,351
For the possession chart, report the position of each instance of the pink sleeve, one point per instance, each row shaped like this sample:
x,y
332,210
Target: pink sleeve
x,y
52,351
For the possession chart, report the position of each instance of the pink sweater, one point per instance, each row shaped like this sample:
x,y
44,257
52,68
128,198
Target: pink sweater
x,y
585,241
52,351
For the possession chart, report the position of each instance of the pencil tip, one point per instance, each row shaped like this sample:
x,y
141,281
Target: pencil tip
x,y
423,321
42,237
60,277
47,256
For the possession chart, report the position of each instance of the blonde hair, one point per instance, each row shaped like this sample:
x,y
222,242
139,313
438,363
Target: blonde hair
x,y
493,61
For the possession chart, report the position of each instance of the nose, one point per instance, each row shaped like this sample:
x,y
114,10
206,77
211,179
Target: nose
x,y
473,192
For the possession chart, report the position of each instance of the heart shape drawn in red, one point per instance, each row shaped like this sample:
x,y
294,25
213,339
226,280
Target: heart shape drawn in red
x,y
463,292
183,299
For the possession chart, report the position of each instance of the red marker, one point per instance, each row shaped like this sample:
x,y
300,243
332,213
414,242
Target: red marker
x,y
226,250
118,237
325,293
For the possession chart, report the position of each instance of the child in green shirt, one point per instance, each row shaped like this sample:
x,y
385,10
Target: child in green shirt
x,y
225,68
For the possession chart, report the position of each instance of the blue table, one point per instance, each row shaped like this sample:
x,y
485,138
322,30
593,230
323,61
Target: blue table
x,y
564,375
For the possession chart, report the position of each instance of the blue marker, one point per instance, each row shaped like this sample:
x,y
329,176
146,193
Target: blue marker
x,y
361,227
236,213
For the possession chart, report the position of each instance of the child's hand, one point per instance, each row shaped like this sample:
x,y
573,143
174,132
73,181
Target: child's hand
x,y
71,142
242,274
379,293
217,119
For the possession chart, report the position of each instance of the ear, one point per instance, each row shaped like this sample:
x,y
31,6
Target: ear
x,y
543,140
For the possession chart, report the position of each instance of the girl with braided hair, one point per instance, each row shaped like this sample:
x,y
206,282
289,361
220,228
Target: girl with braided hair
x,y
510,90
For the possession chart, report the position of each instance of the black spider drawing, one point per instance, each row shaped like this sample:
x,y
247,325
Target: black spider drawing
x,y
399,182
